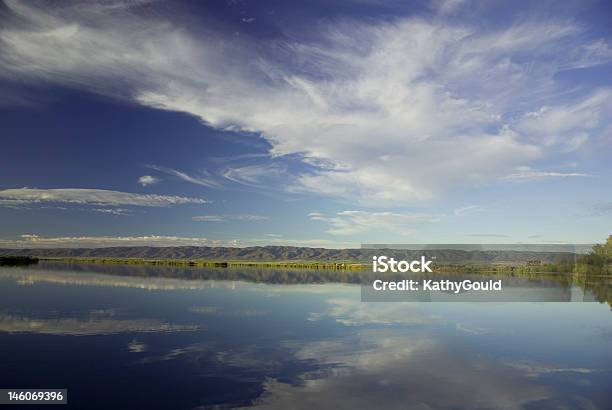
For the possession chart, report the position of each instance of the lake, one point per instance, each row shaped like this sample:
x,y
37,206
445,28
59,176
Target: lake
x,y
130,337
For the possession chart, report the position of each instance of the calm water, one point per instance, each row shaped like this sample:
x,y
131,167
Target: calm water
x,y
151,342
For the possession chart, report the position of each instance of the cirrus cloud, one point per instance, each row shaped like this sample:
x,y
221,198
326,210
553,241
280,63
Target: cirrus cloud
x,y
100,197
37,241
525,174
359,222
222,218
383,113
27,241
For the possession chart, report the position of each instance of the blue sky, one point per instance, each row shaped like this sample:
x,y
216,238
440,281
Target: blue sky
x,y
304,123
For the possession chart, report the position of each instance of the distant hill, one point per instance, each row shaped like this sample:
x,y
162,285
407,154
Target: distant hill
x,y
291,253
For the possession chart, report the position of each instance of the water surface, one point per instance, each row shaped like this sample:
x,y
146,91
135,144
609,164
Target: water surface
x,y
146,341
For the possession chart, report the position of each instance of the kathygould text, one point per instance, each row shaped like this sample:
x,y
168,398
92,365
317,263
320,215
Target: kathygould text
x,y
444,285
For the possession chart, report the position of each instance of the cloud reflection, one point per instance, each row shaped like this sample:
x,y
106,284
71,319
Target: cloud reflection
x,y
88,278
137,347
215,311
94,324
353,312
390,369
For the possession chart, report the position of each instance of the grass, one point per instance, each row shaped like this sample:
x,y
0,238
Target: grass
x,y
486,269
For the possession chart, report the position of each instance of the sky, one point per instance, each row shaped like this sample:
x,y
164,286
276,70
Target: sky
x,y
325,124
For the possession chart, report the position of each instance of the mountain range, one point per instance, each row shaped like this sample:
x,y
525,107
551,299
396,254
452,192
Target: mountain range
x,y
291,253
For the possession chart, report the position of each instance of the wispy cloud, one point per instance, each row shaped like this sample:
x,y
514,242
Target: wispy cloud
x,y
205,179
360,222
526,174
100,197
148,180
448,6
383,113
36,241
468,210
208,218
222,218
113,211
304,242
254,175
567,125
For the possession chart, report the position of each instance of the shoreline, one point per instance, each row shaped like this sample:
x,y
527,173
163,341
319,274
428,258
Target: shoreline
x,y
484,268
215,263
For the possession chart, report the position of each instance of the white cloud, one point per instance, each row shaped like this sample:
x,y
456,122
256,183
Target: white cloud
x,y
36,241
310,243
254,175
148,180
568,125
100,197
468,210
208,218
448,6
14,203
526,174
388,113
113,211
222,218
359,222
204,180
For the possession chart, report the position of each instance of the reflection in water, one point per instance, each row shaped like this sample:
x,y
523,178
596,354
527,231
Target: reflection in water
x,y
517,287
137,347
161,342
90,278
213,310
391,369
351,312
56,274
79,327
